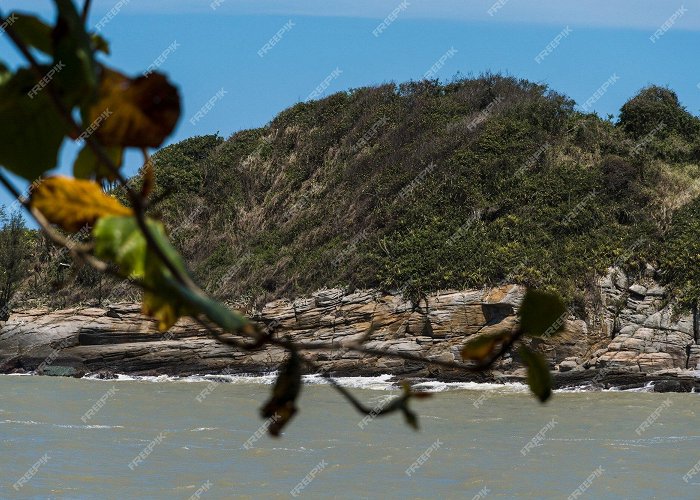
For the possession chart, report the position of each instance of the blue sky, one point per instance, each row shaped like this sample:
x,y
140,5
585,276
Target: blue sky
x,y
218,49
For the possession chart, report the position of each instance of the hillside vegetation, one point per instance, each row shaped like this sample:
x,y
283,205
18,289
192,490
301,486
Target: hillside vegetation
x,y
424,186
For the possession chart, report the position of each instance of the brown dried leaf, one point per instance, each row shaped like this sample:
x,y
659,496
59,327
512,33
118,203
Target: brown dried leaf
x,y
280,407
138,112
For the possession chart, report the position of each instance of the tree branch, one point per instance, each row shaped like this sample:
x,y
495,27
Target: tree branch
x,y
260,338
136,201
86,10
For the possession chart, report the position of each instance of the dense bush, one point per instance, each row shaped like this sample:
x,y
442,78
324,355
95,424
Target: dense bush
x,y
679,254
654,106
618,173
15,252
422,186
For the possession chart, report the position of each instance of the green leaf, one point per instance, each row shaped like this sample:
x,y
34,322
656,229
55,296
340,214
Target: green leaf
x,y
119,240
168,302
160,276
99,44
228,320
5,73
33,32
32,130
73,49
480,348
538,377
542,313
87,165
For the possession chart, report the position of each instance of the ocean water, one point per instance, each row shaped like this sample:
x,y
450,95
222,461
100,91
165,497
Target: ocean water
x,y
193,438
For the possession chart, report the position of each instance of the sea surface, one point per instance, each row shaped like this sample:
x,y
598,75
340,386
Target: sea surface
x,y
195,438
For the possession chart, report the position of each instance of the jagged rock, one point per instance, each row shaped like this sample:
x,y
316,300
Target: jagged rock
x,y
651,335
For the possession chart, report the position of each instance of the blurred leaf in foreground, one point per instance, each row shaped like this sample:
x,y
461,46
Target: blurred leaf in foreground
x,y
541,313
538,377
481,347
280,407
142,111
120,240
88,165
74,203
32,31
31,129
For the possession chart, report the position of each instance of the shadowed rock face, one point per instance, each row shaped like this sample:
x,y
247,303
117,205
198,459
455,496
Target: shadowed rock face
x,y
632,332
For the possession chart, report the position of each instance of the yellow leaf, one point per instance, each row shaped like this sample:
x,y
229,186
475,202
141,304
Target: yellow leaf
x,y
138,112
162,309
74,203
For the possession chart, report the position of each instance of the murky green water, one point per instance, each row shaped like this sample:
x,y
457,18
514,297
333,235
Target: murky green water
x,y
178,447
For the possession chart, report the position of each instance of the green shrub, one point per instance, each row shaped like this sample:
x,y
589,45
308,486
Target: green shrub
x,y
654,106
424,186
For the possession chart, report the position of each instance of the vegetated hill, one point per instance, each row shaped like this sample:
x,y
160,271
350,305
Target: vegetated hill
x,y
424,186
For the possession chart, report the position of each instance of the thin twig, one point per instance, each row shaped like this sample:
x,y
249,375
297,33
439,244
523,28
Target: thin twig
x,y
86,10
392,406
356,403
322,346
11,188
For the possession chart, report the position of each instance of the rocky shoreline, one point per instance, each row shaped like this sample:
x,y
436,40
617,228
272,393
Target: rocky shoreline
x,y
633,339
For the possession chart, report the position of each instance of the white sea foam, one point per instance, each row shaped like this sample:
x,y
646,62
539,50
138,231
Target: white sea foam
x,y
648,387
267,378
380,383
92,426
62,426
383,382
437,386
22,422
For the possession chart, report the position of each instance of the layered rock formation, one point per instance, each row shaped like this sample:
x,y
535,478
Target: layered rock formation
x,y
631,337
645,333
120,339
